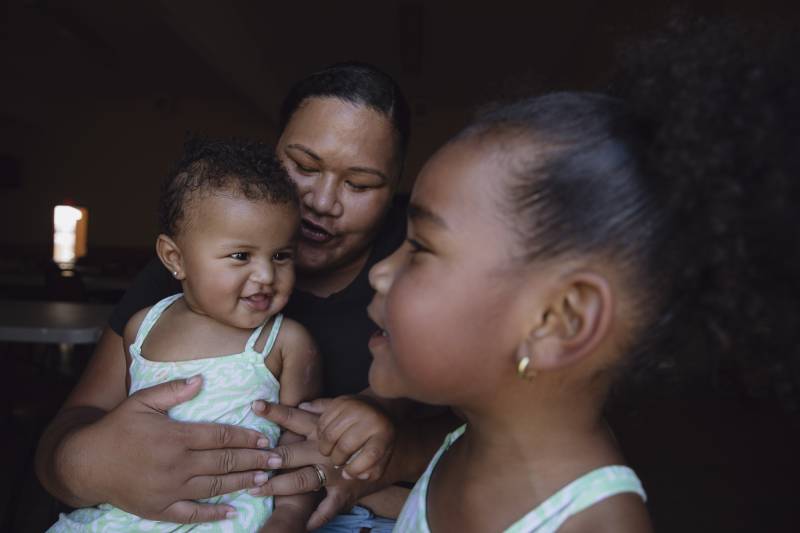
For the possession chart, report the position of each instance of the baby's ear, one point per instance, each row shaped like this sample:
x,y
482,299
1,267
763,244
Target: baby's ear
x,y
573,324
170,254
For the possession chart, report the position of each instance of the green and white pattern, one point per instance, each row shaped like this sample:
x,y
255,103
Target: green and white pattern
x,y
230,384
585,491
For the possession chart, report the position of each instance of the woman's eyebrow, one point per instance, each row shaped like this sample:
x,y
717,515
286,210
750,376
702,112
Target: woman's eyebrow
x,y
305,150
421,213
368,170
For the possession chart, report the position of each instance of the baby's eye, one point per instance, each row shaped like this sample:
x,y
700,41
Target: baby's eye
x,y
282,257
240,256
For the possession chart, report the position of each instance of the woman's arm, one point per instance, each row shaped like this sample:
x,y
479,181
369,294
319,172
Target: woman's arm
x,y
100,447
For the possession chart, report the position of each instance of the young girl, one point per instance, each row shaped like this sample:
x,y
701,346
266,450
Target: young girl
x,y
558,240
229,217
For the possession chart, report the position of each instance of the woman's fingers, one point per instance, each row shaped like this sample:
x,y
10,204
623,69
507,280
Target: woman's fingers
x,y
202,487
334,502
299,481
200,436
186,512
229,460
296,420
295,455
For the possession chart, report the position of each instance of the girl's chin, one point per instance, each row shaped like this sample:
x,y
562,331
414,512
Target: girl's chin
x,y
381,383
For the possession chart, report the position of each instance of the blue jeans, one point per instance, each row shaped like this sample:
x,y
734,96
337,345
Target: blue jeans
x,y
358,517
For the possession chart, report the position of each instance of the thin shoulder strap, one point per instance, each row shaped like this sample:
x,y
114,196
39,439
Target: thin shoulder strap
x,y
273,334
151,318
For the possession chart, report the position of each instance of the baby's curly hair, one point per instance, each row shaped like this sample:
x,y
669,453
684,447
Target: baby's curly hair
x,y
245,167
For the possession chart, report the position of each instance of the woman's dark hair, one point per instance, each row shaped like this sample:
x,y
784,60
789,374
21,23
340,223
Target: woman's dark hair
x,y
357,83
246,167
690,184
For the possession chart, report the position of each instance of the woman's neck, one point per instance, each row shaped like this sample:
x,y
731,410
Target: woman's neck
x,y
326,282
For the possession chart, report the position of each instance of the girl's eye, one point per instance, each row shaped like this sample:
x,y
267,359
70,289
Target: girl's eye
x,y
240,256
416,247
282,257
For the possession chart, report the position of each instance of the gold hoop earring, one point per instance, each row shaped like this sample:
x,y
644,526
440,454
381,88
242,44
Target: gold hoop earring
x,y
522,369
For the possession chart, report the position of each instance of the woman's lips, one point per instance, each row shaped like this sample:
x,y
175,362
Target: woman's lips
x,y
314,232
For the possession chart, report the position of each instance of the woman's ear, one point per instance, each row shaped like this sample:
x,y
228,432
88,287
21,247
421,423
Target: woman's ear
x,y
170,254
573,324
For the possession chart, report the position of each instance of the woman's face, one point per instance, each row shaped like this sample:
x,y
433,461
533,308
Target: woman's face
x,y
342,157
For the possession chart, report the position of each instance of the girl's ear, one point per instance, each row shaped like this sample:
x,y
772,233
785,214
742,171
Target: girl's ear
x,y
170,254
571,327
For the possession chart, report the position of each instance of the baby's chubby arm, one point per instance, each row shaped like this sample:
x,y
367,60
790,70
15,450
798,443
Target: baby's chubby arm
x,y
301,380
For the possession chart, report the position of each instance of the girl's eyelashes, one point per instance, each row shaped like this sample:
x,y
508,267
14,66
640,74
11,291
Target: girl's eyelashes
x,y
416,246
240,256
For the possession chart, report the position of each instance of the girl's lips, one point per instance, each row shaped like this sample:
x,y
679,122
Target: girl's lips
x,y
379,338
314,232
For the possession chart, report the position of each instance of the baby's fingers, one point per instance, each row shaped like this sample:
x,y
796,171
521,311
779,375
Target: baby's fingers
x,y
336,434
367,462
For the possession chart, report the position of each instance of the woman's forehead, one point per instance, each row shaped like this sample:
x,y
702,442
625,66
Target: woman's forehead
x,y
332,124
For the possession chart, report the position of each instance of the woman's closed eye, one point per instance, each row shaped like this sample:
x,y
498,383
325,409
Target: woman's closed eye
x,y
359,187
303,168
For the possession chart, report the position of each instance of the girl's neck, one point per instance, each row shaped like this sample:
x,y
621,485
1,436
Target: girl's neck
x,y
540,429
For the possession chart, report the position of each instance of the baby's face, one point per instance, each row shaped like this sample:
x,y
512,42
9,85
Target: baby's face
x,y
238,257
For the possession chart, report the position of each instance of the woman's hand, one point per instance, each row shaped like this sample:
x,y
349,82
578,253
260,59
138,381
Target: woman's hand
x,y
138,459
340,493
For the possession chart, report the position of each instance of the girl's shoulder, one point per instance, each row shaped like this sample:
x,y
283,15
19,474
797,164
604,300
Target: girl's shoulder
x,y
134,324
621,513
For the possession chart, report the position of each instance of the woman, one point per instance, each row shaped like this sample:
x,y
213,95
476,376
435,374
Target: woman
x,y
343,135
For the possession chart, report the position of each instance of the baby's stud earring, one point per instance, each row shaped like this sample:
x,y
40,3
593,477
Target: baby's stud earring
x,y
175,274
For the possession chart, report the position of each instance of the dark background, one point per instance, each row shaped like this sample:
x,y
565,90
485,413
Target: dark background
x,y
96,97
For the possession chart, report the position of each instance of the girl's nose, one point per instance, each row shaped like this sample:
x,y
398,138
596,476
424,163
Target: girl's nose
x,y
322,196
381,275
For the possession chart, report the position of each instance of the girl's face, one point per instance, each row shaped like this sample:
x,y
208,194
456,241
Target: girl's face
x,y
445,300
342,157
237,257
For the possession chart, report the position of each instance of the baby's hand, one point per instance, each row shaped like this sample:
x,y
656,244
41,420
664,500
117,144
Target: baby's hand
x,y
354,431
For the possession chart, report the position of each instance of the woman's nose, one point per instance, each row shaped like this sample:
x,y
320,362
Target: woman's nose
x,y
381,275
322,196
